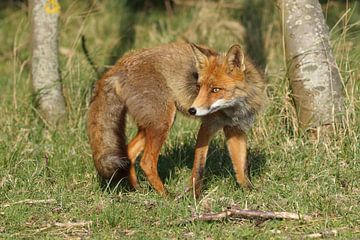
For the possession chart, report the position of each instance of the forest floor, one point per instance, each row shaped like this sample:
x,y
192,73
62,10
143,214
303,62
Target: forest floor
x,y
48,184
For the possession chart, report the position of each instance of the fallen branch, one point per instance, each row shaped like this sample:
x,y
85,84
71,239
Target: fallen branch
x,y
30,201
234,212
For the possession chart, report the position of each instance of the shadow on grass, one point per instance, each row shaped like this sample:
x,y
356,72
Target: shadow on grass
x,y
114,186
181,156
218,161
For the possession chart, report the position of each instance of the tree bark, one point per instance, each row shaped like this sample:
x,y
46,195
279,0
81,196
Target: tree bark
x,y
314,76
44,63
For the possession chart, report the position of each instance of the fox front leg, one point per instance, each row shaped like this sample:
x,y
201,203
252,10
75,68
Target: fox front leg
x,y
236,143
206,132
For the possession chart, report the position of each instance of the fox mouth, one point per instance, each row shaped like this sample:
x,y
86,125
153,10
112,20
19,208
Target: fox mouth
x,y
216,106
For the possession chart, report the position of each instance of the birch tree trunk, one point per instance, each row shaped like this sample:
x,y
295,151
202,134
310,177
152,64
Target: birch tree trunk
x,y
44,63
314,76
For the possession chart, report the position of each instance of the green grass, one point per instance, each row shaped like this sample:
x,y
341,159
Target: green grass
x,y
289,171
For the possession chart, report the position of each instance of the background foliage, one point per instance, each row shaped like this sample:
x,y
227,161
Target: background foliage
x,y
289,171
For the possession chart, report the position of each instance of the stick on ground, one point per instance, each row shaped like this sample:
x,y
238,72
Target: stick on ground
x,y
30,201
234,212
73,224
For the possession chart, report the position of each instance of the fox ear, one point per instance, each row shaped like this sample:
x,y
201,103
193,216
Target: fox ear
x,y
201,55
236,58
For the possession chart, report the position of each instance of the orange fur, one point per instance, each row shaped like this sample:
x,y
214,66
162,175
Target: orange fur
x,y
150,85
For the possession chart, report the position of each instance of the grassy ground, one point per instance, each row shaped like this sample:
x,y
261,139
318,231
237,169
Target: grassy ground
x,y
289,171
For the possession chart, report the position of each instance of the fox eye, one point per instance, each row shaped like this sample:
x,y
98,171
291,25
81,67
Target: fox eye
x,y
215,90
197,87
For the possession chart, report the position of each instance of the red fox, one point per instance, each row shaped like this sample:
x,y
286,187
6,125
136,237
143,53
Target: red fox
x,y
225,91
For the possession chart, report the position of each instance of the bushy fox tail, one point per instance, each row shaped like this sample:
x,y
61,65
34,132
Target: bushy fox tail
x,y
106,129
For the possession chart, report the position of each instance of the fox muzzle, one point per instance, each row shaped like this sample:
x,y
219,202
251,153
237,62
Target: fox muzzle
x,y
192,111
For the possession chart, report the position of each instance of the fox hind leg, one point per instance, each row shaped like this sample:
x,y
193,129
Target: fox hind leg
x,y
135,147
155,136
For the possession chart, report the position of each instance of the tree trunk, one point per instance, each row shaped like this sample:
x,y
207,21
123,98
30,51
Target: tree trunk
x,y
44,63
314,76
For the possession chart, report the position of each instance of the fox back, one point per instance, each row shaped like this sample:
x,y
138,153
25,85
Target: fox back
x,y
168,70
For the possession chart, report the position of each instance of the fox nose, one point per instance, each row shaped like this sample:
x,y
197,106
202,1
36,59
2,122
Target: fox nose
x,y
192,111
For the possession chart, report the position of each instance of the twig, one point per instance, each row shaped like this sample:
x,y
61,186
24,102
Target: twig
x,y
324,234
73,224
235,212
95,68
67,225
30,201
250,214
42,229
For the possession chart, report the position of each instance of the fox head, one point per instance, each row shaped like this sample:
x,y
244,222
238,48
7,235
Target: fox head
x,y
221,80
